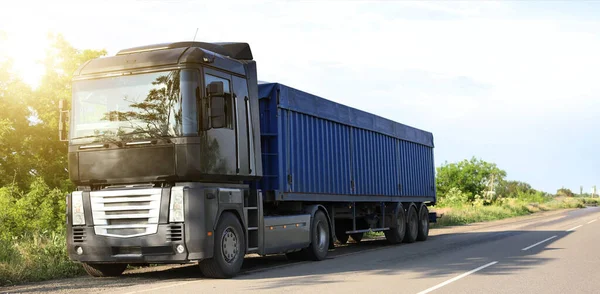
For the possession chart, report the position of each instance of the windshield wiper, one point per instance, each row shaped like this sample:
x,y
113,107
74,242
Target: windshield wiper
x,y
153,135
86,137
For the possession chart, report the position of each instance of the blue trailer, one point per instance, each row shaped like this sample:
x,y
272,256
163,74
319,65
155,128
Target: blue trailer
x,y
314,149
180,155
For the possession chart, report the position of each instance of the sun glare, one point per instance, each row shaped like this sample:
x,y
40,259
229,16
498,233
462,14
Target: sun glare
x,y
26,52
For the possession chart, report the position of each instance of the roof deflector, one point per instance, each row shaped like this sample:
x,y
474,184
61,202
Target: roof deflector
x,y
231,49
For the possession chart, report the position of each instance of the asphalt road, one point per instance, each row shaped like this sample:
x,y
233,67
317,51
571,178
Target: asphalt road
x,y
553,252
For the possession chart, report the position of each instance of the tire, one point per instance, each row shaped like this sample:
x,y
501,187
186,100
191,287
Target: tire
x,y
229,249
396,234
104,269
412,224
341,227
423,223
319,237
357,237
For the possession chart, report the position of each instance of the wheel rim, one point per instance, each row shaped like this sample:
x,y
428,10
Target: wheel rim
x,y
230,245
321,235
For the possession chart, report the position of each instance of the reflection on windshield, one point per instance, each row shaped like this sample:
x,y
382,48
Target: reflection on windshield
x,y
133,107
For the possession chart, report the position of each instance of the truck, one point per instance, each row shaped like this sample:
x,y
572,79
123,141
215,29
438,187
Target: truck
x,y
180,155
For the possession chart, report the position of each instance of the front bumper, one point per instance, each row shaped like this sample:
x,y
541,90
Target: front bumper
x,y
154,248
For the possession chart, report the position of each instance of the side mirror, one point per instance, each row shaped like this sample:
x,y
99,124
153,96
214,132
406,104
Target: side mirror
x,y
217,112
63,122
216,94
215,89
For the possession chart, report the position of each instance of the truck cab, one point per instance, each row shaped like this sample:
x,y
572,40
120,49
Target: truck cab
x,y
163,141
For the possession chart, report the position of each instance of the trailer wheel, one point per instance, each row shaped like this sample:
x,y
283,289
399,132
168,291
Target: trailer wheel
x,y
357,237
396,233
423,223
104,269
229,250
319,236
412,224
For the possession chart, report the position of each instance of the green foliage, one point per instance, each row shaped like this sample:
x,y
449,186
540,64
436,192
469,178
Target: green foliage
x,y
29,144
564,192
35,258
513,188
453,198
472,177
14,112
504,208
38,211
33,168
32,234
532,196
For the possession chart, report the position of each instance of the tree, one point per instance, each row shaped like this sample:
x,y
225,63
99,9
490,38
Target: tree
x,y
14,112
29,145
472,177
513,188
564,192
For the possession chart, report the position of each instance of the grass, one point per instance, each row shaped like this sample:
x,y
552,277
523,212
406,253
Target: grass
x,y
35,258
466,214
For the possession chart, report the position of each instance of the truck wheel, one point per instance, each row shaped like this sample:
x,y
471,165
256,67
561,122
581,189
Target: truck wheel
x,y
319,236
229,250
104,269
412,224
341,227
357,237
423,223
395,234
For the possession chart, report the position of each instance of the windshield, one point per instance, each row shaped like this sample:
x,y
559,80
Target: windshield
x,y
134,107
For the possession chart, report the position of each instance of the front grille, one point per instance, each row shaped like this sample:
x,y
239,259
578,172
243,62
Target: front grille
x,y
141,211
125,213
175,233
78,235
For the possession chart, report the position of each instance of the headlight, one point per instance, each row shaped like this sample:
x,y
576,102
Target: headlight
x,y
77,208
176,211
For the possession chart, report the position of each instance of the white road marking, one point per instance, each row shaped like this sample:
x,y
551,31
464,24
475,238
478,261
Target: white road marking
x,y
538,243
574,228
592,221
456,278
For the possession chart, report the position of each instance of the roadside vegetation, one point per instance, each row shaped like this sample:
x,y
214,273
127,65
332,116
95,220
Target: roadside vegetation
x,y
33,168
476,191
34,176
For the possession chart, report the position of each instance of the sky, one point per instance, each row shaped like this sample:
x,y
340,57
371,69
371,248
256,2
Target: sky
x,y
512,82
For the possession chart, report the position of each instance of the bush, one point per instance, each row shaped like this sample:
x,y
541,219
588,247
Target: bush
x,y
35,258
532,197
454,197
503,208
32,234
40,210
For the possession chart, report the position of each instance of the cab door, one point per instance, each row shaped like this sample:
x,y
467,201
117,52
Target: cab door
x,y
219,150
